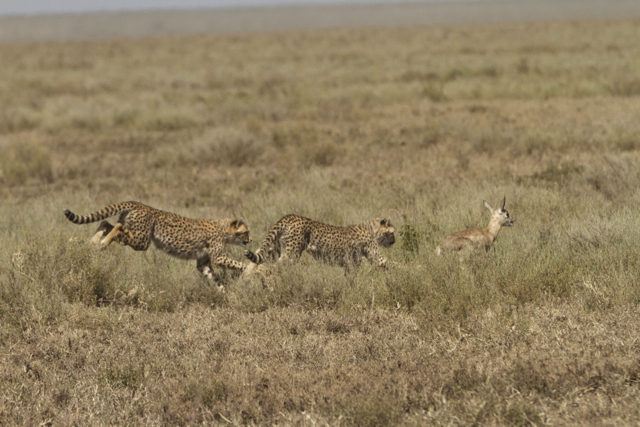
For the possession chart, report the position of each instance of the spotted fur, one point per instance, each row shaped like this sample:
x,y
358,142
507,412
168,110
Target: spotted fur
x,y
139,225
345,246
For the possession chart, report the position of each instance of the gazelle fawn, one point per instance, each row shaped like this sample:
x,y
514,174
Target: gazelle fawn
x,y
478,238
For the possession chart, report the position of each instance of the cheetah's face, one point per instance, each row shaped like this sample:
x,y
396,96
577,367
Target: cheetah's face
x,y
239,233
386,233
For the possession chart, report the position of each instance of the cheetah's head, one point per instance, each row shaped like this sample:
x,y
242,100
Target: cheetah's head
x,y
238,233
385,232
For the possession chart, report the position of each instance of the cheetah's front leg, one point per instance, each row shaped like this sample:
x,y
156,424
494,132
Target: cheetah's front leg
x,y
204,267
224,262
375,257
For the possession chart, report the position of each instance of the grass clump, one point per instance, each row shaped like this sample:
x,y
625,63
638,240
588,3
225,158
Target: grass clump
x,y
21,163
222,146
368,410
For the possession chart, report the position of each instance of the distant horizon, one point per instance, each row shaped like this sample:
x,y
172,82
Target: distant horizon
x,y
61,7
232,17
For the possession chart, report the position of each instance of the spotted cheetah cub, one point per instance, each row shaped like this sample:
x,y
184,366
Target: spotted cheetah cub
x,y
139,225
345,246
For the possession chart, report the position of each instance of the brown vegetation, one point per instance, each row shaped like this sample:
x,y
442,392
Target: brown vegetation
x,y
421,124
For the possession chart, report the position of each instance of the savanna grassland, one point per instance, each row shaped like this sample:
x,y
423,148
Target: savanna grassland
x,y
420,124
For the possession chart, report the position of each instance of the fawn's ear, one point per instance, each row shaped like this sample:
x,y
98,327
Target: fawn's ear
x,y
504,200
488,206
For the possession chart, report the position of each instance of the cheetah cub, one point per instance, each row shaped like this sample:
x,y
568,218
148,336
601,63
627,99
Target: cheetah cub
x,y
345,246
139,225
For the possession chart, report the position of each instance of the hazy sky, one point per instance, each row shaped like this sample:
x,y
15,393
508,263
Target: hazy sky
x,y
19,7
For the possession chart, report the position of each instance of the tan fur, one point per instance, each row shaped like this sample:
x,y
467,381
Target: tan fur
x,y
478,238
139,225
345,246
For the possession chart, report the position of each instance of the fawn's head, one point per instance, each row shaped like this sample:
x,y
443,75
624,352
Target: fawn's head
x,y
501,215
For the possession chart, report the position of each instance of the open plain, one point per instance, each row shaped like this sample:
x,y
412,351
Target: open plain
x,y
421,124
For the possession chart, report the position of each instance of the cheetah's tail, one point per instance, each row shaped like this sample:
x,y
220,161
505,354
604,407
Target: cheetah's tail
x,y
254,258
103,213
268,244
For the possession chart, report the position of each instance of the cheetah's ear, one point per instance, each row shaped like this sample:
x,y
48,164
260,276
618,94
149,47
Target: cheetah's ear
x,y
386,222
236,223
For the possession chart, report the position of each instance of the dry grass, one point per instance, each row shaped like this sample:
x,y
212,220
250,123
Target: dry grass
x,y
341,126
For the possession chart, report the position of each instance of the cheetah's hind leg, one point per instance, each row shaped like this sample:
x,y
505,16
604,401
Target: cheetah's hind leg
x,y
115,232
104,229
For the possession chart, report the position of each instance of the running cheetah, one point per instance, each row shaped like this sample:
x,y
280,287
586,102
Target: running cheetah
x,y
345,246
185,238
